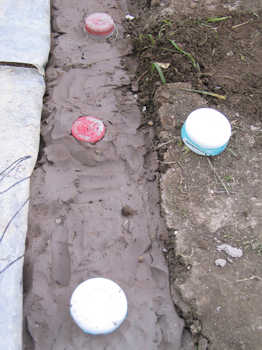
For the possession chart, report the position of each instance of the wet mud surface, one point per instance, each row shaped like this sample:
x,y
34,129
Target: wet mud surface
x,y
95,208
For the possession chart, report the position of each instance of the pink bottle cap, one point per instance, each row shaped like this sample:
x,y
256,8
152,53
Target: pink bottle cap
x,y
88,129
100,24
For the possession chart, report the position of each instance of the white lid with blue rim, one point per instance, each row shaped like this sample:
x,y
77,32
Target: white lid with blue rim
x,y
208,128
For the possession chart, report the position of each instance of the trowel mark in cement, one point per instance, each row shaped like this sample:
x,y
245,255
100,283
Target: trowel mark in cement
x,y
87,186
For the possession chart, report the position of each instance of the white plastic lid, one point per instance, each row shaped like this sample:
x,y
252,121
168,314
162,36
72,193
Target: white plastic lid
x,y
208,128
98,306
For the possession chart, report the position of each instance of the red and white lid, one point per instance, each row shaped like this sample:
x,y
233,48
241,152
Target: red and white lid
x,y
100,24
89,129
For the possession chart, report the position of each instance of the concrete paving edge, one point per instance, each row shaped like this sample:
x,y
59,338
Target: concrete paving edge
x,y
21,96
25,32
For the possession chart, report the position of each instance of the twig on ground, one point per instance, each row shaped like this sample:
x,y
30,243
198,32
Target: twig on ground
x,y
163,144
218,177
163,162
141,76
228,77
254,277
221,97
240,25
233,153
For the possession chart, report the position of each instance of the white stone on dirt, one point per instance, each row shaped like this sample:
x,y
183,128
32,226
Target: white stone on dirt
x,y
231,251
129,17
221,262
58,221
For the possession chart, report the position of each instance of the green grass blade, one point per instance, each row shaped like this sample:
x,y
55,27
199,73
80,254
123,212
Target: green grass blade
x,y
151,38
220,97
177,47
187,54
217,19
156,66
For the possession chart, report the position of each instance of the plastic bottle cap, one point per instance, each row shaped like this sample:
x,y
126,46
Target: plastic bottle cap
x,y
100,24
88,129
208,128
98,306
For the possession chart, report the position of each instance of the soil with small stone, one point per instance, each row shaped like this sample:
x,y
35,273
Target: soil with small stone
x,y
216,49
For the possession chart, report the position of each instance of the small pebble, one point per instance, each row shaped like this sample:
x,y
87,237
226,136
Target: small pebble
x,y
127,211
141,259
230,53
193,5
231,251
134,86
129,17
230,260
202,344
221,262
155,3
163,236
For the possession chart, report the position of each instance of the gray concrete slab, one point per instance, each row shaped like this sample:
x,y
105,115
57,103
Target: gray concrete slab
x,y
21,94
25,32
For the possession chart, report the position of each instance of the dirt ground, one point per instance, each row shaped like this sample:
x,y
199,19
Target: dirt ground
x,y
208,202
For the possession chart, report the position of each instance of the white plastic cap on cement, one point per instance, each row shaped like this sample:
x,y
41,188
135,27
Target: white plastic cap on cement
x,y
208,128
98,306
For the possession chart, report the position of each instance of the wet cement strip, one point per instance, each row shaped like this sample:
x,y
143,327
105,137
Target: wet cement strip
x,y
78,228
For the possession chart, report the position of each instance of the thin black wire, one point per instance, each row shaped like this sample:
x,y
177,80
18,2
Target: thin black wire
x,y
12,166
16,183
10,264
3,175
12,219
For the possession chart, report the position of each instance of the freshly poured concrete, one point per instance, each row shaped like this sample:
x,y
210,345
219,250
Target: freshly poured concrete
x,y
95,208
